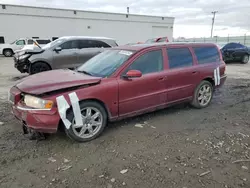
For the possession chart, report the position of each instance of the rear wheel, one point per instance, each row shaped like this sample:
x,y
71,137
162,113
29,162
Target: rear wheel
x,y
94,119
203,95
8,53
245,59
38,67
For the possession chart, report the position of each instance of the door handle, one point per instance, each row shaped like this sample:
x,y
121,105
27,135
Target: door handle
x,y
194,72
161,79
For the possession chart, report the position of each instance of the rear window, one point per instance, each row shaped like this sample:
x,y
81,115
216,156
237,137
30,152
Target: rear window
x,y
207,54
179,57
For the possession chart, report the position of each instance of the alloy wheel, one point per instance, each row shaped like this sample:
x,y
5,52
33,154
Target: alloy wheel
x,y
245,59
205,94
92,122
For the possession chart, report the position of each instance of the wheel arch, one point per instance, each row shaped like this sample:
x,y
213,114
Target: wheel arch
x,y
41,61
211,80
61,125
8,49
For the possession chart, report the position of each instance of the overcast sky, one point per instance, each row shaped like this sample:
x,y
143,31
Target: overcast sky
x,y
192,17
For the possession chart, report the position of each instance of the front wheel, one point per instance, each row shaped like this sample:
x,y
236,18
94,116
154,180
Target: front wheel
x,y
8,53
245,59
94,118
203,95
38,67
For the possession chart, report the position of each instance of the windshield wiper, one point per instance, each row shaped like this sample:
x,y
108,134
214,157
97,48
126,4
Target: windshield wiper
x,y
85,72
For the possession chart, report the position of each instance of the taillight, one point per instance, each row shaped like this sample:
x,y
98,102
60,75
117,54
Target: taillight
x,y
222,68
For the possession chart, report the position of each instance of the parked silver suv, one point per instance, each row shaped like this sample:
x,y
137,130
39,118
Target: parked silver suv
x,y
65,52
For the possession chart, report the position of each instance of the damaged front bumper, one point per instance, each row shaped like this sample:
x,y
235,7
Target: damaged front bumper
x,y
44,121
21,65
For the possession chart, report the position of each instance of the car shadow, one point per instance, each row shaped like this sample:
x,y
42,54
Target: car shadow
x,y
148,116
16,78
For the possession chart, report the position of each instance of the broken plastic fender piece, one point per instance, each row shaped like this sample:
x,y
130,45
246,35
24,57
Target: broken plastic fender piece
x,y
62,106
76,109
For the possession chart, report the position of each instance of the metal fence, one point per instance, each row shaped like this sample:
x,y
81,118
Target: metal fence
x,y
239,39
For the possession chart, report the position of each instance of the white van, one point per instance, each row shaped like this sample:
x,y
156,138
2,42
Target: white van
x,y
21,44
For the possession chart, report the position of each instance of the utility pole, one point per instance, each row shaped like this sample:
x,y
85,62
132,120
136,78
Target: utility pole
x,y
214,12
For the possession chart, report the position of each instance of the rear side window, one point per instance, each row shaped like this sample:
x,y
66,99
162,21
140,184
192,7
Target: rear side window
x,y
43,41
179,57
111,43
1,40
207,54
100,44
30,41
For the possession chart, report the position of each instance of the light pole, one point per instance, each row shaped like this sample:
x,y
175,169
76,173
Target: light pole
x,y
214,12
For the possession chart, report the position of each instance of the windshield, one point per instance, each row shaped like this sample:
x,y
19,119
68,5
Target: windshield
x,y
150,41
13,42
53,43
105,63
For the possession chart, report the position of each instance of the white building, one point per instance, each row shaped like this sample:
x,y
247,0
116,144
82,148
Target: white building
x,y
25,21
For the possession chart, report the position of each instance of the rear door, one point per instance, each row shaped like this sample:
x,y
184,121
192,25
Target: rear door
x,y
209,63
182,74
137,95
88,49
67,57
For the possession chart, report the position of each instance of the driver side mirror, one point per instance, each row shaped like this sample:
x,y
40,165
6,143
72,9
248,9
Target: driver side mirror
x,y
58,49
133,74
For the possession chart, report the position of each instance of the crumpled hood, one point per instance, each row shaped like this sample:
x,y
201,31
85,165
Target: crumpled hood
x,y
29,50
54,80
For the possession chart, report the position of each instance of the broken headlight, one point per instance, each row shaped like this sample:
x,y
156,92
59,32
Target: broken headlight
x,y
24,56
38,103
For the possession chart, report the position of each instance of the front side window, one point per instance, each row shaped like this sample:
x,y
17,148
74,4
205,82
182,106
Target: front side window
x,y
149,62
105,63
207,54
54,43
73,44
179,57
20,42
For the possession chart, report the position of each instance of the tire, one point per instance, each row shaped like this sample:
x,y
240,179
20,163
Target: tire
x,y
38,67
8,53
199,96
74,132
245,59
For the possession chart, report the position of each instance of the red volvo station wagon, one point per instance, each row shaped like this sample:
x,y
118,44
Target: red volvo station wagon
x,y
117,83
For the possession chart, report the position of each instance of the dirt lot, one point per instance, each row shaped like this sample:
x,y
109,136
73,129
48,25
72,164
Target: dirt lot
x,y
179,147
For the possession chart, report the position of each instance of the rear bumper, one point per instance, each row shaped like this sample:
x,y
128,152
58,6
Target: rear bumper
x,y
38,120
222,81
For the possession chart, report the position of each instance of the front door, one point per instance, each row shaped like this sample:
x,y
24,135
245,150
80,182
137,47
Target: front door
x,y
137,95
67,56
182,75
19,45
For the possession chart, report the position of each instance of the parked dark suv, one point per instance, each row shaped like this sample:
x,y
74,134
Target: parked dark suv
x,y
234,52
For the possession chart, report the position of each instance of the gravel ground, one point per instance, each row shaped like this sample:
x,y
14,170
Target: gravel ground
x,y
179,147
